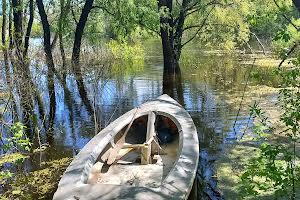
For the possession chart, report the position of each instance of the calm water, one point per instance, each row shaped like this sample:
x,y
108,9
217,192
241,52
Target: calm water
x,y
208,81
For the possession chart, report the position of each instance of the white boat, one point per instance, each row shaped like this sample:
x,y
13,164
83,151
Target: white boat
x,y
150,152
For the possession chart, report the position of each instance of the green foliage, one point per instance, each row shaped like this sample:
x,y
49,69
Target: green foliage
x,y
227,27
124,20
125,51
4,175
42,182
12,158
18,140
266,18
290,99
277,168
286,37
274,170
36,30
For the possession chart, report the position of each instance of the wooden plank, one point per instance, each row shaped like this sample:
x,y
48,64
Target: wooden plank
x,y
119,144
135,146
146,150
123,152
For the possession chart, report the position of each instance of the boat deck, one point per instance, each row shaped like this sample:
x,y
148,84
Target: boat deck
x,y
128,172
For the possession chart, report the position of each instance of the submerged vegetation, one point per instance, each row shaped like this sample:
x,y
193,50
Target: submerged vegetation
x,y
39,184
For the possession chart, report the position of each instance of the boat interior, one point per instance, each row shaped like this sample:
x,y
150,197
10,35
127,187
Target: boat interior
x,y
141,154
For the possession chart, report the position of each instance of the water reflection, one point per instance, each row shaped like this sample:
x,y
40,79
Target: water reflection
x,y
202,88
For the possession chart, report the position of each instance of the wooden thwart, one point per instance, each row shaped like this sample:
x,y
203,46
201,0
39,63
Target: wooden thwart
x,y
146,149
111,154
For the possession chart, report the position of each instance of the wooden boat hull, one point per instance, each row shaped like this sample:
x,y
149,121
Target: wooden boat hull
x,y
177,184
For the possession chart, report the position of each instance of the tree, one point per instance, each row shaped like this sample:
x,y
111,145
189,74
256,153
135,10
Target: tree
x,y
79,32
29,27
64,10
177,23
76,50
49,59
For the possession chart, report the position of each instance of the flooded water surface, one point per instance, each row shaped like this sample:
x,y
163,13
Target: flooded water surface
x,y
212,88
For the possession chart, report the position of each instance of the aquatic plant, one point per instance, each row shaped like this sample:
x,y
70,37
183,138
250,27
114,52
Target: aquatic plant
x,y
276,169
18,141
39,184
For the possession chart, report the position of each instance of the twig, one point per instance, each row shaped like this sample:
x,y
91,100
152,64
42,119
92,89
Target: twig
x,y
73,15
118,104
288,53
259,42
199,29
242,99
105,9
289,20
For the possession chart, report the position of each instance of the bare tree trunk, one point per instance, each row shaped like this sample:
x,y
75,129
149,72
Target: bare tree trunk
x,y
29,26
50,63
54,41
21,71
10,29
64,10
179,32
27,61
171,31
79,32
166,36
17,19
76,51
4,46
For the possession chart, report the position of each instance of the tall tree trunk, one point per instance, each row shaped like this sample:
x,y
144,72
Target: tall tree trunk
x,y
64,10
166,36
171,31
179,31
27,61
21,72
76,51
10,29
50,63
79,32
4,46
29,27
17,19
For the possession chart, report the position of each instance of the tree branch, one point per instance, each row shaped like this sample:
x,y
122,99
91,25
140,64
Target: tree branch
x,y
73,15
200,7
104,9
146,27
199,29
289,20
192,26
288,53
259,42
